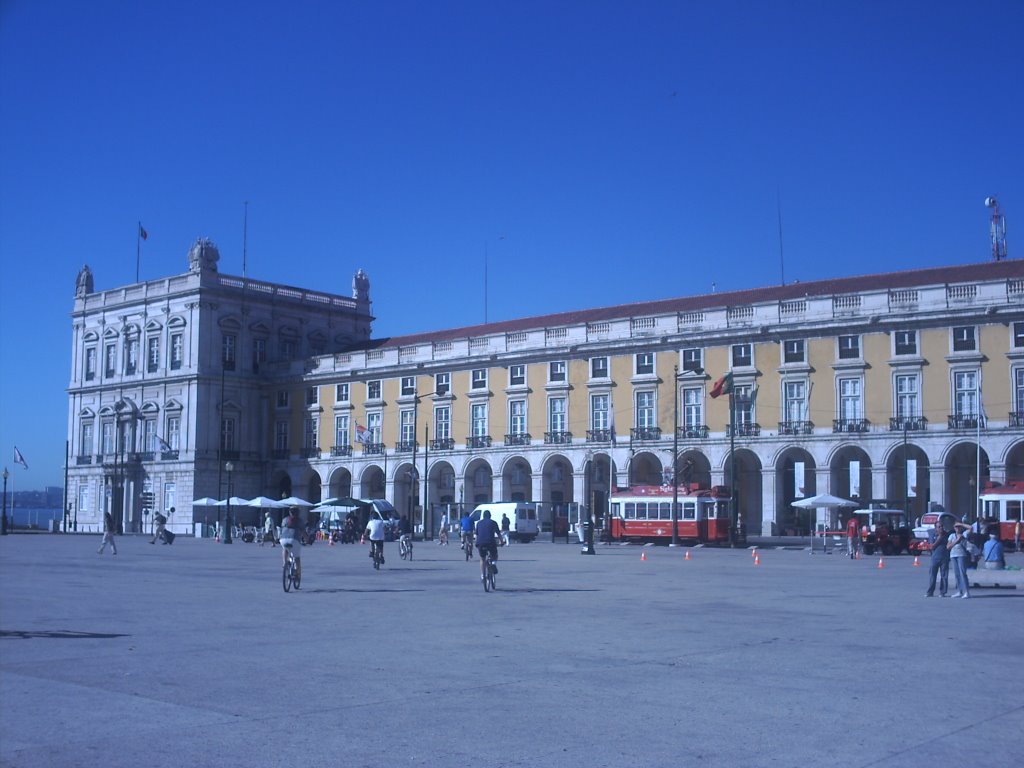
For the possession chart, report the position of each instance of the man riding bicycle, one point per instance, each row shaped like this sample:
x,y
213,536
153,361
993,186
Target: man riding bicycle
x,y
488,536
375,533
291,541
404,529
466,524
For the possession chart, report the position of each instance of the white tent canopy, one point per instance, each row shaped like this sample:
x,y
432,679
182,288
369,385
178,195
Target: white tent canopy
x,y
295,501
824,500
206,501
265,502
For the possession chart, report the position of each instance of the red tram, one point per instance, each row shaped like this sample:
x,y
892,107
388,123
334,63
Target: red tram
x,y
645,513
1003,505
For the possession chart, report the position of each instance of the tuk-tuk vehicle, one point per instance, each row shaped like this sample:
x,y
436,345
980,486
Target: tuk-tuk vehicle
x,y
884,530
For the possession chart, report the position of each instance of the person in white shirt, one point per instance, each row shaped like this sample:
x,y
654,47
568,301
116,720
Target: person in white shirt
x,y
442,538
375,533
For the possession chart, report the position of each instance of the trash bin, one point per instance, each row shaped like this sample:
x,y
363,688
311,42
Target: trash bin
x,y
55,526
198,530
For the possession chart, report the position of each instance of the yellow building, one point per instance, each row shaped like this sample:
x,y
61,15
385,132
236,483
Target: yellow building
x,y
906,387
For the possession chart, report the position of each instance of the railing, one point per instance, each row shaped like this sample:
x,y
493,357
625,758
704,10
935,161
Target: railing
x,y
518,438
1016,419
640,434
341,450
743,430
796,428
557,438
82,460
693,432
599,435
965,421
478,441
442,444
171,455
373,449
908,424
229,455
850,425
310,453
961,293
147,456
406,446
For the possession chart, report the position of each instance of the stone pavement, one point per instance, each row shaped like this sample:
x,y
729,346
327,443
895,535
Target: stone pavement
x,y
192,655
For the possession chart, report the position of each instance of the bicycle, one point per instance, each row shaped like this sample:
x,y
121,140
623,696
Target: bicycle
x,y
489,574
467,545
405,547
290,576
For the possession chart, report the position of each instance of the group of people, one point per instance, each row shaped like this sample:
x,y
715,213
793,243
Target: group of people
x,y
952,546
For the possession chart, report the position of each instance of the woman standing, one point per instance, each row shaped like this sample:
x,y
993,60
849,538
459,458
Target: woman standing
x,y
957,546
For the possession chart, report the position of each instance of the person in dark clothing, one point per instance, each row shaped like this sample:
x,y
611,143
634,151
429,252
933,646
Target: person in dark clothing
x,y
939,563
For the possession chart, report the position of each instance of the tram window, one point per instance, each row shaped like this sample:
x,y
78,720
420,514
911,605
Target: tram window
x,y
1013,510
615,510
630,510
641,510
666,510
689,511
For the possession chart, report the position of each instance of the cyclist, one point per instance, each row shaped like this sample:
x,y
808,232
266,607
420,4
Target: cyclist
x,y
291,539
488,536
466,524
375,532
442,537
404,529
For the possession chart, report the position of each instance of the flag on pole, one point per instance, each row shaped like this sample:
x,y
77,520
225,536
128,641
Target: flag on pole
x,y
142,232
611,417
361,435
164,445
723,386
19,459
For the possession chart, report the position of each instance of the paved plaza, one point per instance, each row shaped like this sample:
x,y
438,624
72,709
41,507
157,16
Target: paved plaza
x,y
192,655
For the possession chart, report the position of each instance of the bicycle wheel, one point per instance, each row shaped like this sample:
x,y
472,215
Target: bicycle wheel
x,y
410,551
469,550
296,576
487,579
403,549
491,575
286,577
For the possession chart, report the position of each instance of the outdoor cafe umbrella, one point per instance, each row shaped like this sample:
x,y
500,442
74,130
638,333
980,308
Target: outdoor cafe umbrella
x,y
823,501
265,502
295,501
206,501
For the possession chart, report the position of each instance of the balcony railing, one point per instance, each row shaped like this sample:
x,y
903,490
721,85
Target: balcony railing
x,y
82,460
599,435
743,430
1016,419
965,421
280,454
341,450
373,449
442,443
796,428
908,423
640,434
478,441
693,432
850,425
171,455
557,438
406,446
226,455
147,456
518,438
311,453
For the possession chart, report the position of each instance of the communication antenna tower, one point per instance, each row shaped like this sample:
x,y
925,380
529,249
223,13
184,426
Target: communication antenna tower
x,y
998,229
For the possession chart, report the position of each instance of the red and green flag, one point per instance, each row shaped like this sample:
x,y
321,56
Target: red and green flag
x,y
723,386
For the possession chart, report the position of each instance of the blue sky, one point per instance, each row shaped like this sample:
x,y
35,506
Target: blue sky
x,y
597,152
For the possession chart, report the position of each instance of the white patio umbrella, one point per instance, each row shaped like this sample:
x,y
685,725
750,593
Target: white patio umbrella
x,y
265,503
823,501
206,501
236,501
295,501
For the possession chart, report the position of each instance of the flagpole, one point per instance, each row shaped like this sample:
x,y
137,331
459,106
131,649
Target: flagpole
x,y
977,446
245,238
138,249
732,469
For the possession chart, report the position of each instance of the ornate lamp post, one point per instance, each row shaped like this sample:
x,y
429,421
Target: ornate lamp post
x,y
229,468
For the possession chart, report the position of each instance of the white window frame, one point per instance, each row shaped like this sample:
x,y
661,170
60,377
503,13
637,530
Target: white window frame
x,y
902,341
478,378
374,426
342,436
284,398
599,368
517,417
177,351
516,375
442,422
174,432
643,365
478,419
850,398
408,386
848,347
599,411
442,383
557,414
228,436
794,400
692,359
964,338
374,388
86,438
557,372
645,409
407,426
736,358
281,435
341,393
965,393
907,403
693,407
794,351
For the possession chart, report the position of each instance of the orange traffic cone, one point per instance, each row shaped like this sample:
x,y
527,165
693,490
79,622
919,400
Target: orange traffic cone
x,y
753,552
687,555
643,555
757,559
216,537
917,561
881,562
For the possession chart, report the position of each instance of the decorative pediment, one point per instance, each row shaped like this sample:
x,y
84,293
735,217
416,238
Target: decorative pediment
x,y
153,326
150,407
230,406
176,322
86,413
132,329
229,323
107,411
259,329
111,334
288,332
172,405
90,336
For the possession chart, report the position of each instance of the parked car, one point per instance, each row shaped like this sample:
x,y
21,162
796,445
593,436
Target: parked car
x,y
884,530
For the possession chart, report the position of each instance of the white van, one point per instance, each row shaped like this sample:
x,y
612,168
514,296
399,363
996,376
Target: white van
x,y
522,516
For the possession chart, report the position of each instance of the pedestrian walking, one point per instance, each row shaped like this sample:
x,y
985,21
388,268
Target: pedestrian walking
x,y
505,526
160,531
852,536
108,534
1016,537
268,530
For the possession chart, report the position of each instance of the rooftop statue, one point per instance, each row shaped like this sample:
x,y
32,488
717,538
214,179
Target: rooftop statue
x,y
83,284
360,286
203,255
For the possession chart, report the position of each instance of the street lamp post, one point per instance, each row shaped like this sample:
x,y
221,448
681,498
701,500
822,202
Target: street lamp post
x,y
3,520
675,460
229,468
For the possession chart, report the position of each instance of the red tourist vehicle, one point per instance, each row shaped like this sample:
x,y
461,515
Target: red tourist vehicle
x,y
644,513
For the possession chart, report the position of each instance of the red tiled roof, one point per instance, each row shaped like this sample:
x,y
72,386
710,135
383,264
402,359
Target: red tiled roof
x,y
965,273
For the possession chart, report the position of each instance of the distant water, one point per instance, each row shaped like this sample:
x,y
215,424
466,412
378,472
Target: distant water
x,y
33,517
